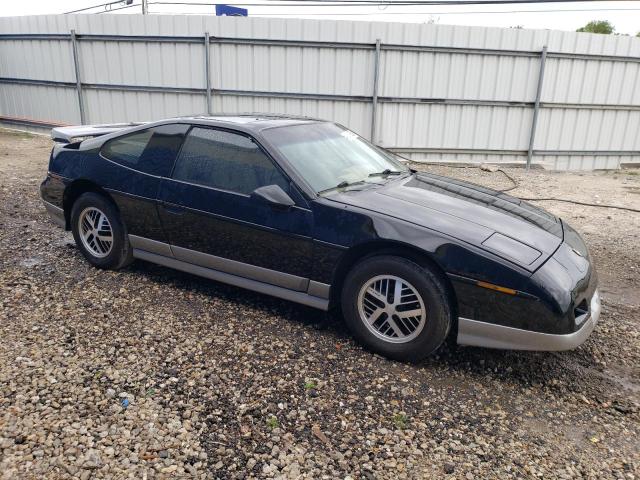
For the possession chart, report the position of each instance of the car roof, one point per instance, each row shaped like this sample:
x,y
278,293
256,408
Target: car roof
x,y
252,121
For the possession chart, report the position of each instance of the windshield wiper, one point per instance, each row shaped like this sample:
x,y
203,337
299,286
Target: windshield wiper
x,y
343,184
386,172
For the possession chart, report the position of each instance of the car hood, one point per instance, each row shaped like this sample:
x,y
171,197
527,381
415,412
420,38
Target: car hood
x,y
491,220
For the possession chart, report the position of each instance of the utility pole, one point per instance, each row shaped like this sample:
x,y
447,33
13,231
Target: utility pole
x,y
145,7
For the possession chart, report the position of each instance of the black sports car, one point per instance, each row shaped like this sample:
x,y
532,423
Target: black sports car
x,y
308,211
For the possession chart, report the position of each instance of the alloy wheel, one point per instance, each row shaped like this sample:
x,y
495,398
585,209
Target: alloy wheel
x,y
95,232
391,308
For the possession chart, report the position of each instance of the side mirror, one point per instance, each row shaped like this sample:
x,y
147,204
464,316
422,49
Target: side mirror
x,y
274,196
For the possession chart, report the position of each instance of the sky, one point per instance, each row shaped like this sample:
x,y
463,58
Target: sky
x,y
624,15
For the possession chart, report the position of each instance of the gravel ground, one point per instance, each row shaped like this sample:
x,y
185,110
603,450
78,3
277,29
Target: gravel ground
x,y
151,373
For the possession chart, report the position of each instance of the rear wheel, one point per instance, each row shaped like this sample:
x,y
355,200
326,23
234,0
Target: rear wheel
x,y
99,232
396,307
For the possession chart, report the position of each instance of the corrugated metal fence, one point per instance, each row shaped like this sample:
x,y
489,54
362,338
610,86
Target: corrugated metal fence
x,y
432,92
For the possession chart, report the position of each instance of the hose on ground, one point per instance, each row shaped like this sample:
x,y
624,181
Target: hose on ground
x,y
515,184
554,199
601,205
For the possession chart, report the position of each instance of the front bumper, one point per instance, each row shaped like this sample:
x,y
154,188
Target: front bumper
x,y
489,335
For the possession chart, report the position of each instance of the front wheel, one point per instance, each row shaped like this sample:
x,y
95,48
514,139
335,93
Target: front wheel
x,y
99,232
396,307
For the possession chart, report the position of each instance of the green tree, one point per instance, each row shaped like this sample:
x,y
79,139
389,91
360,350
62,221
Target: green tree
x,y
598,26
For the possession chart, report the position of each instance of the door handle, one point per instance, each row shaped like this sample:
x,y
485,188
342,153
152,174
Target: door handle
x,y
173,209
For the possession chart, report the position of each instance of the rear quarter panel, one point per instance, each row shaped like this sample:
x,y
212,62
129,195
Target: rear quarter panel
x,y
133,192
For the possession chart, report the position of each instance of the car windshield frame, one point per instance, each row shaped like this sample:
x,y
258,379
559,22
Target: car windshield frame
x,y
356,161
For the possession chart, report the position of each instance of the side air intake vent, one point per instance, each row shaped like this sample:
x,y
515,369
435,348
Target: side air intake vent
x,y
581,311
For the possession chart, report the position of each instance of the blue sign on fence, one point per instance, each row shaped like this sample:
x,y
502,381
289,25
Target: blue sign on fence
x,y
228,10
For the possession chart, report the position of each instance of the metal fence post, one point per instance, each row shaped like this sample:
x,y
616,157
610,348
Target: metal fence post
x,y
374,99
207,73
76,64
536,107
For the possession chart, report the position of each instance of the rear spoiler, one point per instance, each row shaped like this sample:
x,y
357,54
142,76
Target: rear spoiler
x,y
68,134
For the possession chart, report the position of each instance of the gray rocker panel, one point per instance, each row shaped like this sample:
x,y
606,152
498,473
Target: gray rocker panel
x,y
152,246
270,282
233,267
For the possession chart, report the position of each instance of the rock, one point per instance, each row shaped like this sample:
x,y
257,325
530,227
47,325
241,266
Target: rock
x,y
319,434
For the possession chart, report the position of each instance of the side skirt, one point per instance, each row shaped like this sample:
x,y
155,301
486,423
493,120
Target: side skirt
x,y
235,280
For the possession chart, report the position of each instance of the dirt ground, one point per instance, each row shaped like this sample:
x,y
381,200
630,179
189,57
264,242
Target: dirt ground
x,y
152,373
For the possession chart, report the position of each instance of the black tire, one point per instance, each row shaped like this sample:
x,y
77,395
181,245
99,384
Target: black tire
x,y
429,285
120,254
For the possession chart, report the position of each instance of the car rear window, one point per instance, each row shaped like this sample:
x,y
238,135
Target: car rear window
x,y
151,151
127,150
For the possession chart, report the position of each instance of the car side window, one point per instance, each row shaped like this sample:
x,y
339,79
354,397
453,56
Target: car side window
x,y
127,149
151,151
226,160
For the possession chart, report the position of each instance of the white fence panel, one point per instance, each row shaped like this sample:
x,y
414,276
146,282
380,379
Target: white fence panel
x,y
110,106
444,93
37,59
40,102
152,64
459,76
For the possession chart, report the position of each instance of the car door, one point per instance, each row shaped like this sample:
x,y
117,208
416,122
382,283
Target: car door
x,y
211,220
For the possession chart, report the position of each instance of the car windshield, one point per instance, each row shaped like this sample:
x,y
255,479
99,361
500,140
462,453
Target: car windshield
x,y
328,156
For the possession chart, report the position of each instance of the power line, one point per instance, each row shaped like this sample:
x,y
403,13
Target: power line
x,y
94,6
382,12
379,3
119,8
436,2
465,12
369,3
